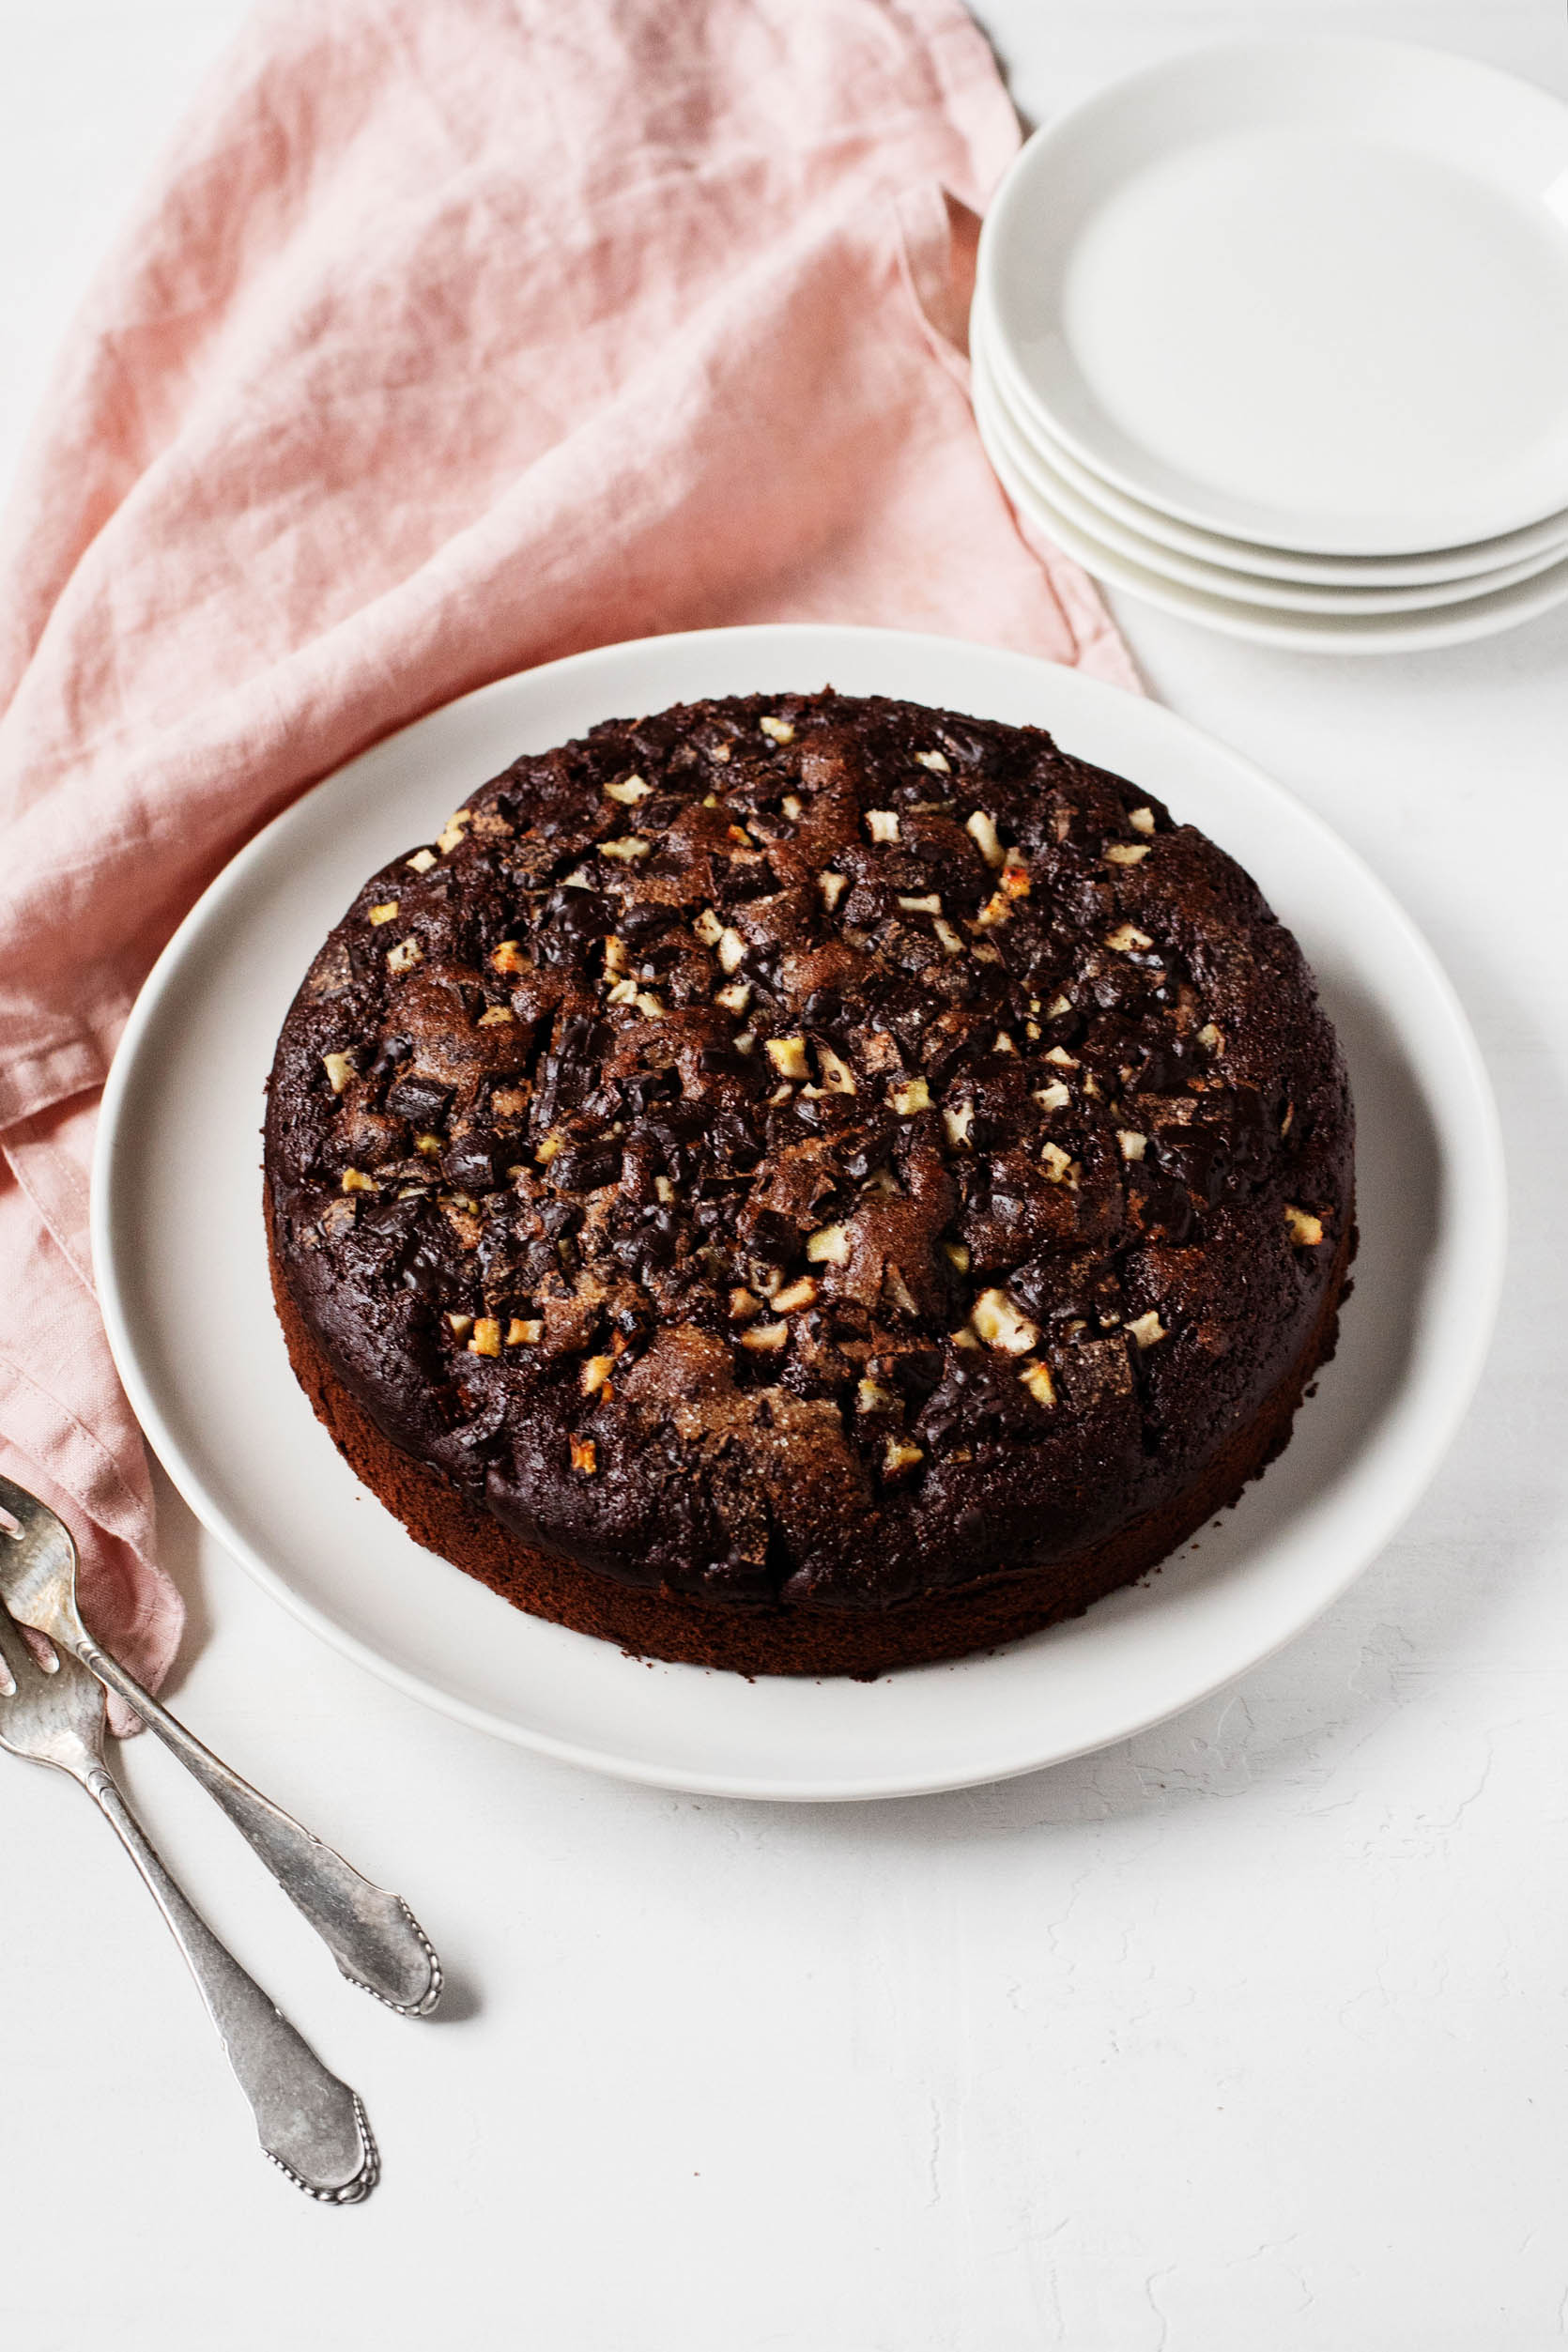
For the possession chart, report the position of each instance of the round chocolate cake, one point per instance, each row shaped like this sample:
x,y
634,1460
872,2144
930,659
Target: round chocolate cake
x,y
807,1185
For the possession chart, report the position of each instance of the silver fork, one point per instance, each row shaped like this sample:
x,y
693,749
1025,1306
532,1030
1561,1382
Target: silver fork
x,y
373,1935
310,2125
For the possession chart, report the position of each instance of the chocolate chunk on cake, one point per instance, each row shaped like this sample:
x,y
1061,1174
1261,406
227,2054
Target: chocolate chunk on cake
x,y
807,1184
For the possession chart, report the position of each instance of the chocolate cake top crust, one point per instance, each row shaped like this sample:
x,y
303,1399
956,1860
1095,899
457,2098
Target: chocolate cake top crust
x,y
808,1148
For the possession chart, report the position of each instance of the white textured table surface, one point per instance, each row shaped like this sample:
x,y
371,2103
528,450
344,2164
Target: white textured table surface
x,y
1252,2033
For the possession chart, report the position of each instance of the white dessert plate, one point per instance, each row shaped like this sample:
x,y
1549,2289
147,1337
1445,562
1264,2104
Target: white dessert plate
x,y
1265,624
182,1267
1248,555
1224,566
1311,293
1029,460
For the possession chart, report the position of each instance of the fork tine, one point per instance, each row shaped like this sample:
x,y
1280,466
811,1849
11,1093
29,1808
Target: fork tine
x,y
11,1499
25,1509
23,1666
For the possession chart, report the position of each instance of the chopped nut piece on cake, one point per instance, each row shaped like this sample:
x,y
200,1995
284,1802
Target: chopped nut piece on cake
x,y
404,956
385,912
629,790
1147,1329
1127,853
1140,820
484,1339
1037,1379
1305,1230
897,1292
828,1246
585,1456
999,1323
982,830
779,729
883,825
914,1096
787,1056
339,1068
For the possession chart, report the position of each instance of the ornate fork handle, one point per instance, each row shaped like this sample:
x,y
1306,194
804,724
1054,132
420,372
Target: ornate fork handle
x,y
312,2126
373,1935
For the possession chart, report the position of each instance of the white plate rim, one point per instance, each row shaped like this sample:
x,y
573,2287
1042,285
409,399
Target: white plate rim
x,y
1360,599
1266,625
1446,1406
1249,555
1217,59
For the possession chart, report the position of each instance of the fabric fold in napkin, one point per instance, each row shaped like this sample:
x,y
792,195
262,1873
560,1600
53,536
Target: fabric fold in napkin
x,y
459,334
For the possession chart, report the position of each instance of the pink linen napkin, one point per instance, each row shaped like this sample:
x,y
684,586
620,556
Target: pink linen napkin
x,y
460,335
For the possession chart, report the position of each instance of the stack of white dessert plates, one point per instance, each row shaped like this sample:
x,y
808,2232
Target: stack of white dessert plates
x,y
1276,336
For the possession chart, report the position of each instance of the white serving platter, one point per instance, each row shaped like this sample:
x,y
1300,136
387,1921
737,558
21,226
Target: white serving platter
x,y
182,1265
